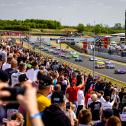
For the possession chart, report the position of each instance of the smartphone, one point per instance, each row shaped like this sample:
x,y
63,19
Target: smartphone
x,y
14,92
67,105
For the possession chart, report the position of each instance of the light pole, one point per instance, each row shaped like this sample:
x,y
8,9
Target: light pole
x,y
125,26
94,53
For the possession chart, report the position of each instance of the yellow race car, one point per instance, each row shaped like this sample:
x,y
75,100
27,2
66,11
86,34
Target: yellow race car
x,y
99,64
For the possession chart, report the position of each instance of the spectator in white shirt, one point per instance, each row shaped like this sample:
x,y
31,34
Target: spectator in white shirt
x,y
81,100
107,104
15,76
7,64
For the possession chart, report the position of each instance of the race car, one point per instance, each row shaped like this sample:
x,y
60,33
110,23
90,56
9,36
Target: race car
x,y
56,52
67,56
120,71
51,51
78,59
45,49
62,54
75,55
93,58
109,64
99,64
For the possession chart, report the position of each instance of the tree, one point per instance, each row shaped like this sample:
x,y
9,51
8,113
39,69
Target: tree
x,y
80,27
118,26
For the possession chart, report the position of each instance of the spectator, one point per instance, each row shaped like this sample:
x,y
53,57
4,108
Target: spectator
x,y
15,76
106,114
85,118
107,104
81,100
95,108
7,64
113,121
54,115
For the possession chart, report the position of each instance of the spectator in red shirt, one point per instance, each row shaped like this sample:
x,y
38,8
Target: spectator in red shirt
x,y
71,92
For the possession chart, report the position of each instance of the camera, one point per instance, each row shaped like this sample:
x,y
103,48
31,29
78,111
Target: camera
x,y
13,93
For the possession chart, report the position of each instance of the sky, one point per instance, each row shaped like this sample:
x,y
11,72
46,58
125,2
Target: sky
x,y
68,12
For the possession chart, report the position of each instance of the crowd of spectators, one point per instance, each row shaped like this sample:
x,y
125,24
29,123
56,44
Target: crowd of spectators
x,y
54,93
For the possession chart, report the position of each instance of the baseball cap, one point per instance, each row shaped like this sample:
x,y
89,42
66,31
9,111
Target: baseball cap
x,y
44,81
57,97
22,78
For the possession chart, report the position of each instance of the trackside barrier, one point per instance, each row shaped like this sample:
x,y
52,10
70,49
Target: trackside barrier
x,y
88,71
83,69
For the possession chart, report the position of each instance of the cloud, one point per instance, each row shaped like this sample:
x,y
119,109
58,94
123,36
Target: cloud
x,y
122,0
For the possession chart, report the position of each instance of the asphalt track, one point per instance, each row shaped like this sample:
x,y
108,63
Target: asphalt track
x,y
89,64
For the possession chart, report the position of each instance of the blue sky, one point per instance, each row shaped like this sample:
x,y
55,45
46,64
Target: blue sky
x,y
68,12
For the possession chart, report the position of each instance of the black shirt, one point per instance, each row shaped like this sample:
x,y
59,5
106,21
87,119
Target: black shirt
x,y
95,110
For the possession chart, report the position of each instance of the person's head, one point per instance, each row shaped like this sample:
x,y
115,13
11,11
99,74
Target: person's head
x,y
9,60
35,64
107,98
113,121
22,67
44,84
22,78
124,109
14,63
18,117
94,97
106,114
85,117
4,76
57,88
58,99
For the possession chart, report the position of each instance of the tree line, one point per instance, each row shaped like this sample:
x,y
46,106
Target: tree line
x,y
28,24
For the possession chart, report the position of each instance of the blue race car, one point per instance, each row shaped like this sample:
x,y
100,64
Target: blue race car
x,y
78,59
120,71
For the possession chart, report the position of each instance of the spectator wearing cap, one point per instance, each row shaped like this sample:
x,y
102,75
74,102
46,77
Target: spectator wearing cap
x,y
54,114
44,86
45,83
106,114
